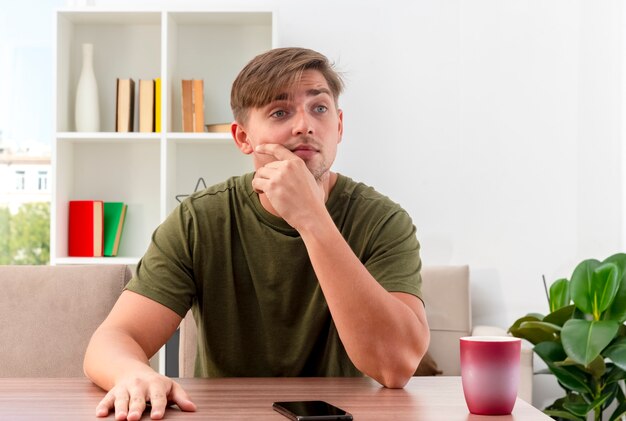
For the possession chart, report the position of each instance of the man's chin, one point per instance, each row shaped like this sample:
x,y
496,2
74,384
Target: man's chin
x,y
320,173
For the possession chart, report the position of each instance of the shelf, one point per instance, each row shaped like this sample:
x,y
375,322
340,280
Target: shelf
x,y
200,138
95,17
147,170
112,137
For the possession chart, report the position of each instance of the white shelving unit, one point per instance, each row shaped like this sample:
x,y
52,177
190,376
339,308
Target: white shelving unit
x,y
147,170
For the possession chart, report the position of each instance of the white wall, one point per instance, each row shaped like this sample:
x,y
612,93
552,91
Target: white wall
x,y
497,124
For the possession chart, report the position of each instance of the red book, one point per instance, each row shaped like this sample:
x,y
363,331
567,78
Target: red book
x,y
86,223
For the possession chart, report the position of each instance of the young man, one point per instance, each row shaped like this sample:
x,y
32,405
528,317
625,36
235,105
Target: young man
x,y
293,270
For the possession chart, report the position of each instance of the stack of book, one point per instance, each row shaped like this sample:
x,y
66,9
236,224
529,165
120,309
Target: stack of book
x,y
192,101
95,227
149,100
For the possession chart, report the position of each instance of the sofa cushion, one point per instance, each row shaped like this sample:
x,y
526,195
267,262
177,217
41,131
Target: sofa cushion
x,y
48,314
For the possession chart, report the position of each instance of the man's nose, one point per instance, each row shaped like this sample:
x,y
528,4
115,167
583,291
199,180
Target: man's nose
x,y
302,123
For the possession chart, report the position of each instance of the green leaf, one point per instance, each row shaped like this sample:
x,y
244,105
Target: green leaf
x,y
581,285
619,412
614,374
606,280
550,352
580,409
617,353
560,316
546,327
619,259
594,286
583,340
559,294
562,414
596,368
571,378
617,309
532,335
620,395
557,410
526,318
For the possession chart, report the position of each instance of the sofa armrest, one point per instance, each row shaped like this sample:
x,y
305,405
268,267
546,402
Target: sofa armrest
x,y
482,330
525,390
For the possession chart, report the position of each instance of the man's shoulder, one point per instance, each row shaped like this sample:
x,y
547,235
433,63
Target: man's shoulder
x,y
361,193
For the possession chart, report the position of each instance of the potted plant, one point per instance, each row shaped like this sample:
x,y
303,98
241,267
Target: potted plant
x,y
583,339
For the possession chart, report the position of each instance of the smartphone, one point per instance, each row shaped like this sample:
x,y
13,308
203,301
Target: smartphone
x,y
311,411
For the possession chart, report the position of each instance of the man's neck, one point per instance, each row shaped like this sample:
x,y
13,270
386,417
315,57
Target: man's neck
x,y
327,184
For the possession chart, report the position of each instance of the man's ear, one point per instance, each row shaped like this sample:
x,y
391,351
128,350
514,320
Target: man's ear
x,y
340,127
241,138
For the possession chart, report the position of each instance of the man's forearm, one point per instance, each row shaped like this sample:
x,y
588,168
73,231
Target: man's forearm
x,y
383,336
112,354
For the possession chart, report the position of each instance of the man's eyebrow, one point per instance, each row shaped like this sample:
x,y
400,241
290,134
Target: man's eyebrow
x,y
284,96
318,91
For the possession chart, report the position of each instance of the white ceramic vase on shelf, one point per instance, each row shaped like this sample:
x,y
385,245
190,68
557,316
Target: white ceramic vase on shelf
x,y
87,112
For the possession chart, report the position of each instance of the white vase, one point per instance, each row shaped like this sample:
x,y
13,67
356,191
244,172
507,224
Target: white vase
x,y
87,113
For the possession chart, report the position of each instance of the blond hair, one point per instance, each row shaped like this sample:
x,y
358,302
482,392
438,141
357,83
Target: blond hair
x,y
268,74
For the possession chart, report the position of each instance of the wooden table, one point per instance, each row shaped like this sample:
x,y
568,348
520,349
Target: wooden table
x,y
424,398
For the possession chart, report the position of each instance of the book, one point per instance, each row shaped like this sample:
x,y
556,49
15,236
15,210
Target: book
x,y
124,105
187,105
114,217
146,105
157,105
85,228
218,128
198,105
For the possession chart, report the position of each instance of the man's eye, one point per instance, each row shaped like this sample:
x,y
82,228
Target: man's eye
x,y
321,108
279,114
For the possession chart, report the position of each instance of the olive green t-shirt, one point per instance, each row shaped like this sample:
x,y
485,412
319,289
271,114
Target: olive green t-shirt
x,y
246,273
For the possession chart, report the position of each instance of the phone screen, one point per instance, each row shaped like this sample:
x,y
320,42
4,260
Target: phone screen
x,y
311,411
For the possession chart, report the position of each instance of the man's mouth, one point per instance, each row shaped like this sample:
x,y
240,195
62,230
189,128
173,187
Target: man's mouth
x,y
304,151
303,148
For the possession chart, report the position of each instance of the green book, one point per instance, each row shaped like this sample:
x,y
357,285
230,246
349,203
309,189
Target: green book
x,y
114,216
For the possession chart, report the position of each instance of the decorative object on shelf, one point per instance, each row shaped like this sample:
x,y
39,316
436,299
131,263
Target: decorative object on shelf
x,y
218,128
157,105
85,228
180,197
146,105
87,112
114,217
124,105
192,100
584,343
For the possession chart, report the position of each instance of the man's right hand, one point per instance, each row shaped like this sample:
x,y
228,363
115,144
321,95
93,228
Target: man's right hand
x,y
117,359
130,396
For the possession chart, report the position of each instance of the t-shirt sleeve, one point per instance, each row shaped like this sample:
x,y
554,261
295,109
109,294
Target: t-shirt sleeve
x,y
394,259
165,273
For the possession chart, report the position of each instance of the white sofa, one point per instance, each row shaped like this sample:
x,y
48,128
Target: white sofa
x,y
48,314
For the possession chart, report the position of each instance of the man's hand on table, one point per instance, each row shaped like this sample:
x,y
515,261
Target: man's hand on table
x,y
129,396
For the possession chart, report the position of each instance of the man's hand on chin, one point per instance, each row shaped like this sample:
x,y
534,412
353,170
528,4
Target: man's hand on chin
x,y
289,186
